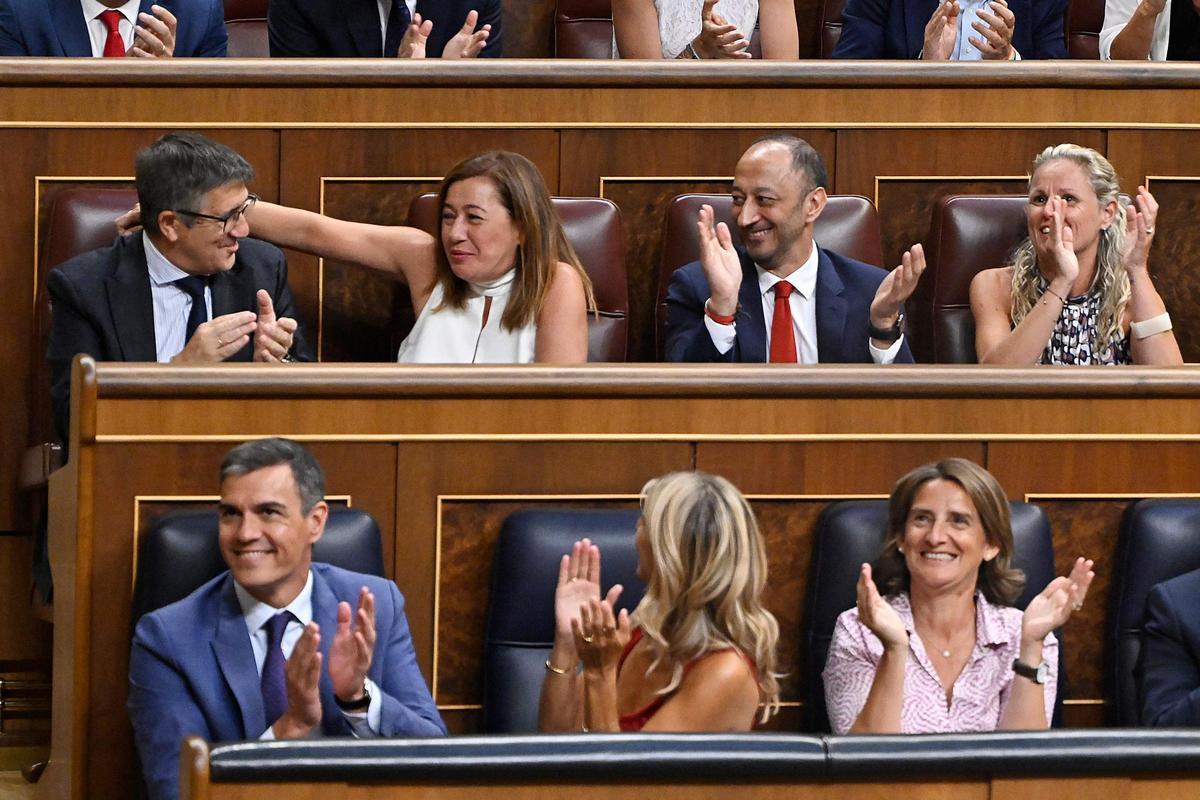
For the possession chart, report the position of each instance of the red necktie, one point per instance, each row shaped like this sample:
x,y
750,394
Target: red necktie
x,y
783,338
114,45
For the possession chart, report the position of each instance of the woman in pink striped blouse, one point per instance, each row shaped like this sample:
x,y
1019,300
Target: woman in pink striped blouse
x,y
942,649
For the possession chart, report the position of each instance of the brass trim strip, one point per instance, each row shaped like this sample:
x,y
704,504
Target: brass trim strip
x,y
914,123
896,178
657,437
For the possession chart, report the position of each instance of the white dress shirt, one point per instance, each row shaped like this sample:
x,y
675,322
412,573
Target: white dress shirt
x,y
803,300
256,614
1117,14
172,305
97,30
385,11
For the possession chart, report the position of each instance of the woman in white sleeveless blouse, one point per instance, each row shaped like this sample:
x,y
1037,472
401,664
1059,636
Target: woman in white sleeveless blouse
x,y
704,28
503,285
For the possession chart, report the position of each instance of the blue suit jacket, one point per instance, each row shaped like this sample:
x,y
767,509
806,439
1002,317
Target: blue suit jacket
x,y
191,671
1169,664
57,27
845,289
896,28
350,28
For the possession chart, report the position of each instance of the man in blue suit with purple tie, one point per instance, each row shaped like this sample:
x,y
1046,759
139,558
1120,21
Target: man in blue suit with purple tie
x,y
1168,669
277,647
86,28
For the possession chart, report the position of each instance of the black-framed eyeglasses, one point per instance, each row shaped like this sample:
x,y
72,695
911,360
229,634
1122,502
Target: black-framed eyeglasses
x,y
227,220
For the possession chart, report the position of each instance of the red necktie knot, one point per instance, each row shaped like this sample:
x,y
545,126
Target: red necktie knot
x,y
114,45
782,290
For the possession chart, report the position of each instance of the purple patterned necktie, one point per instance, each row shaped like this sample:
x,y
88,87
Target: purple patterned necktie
x,y
274,680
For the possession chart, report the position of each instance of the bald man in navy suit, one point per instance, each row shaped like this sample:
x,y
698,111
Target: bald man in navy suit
x,y
72,28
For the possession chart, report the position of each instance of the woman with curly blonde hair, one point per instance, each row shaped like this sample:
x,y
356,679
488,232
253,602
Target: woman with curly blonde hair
x,y
698,653
1079,289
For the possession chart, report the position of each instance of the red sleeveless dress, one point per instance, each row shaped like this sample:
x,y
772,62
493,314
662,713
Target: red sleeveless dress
x,y
636,720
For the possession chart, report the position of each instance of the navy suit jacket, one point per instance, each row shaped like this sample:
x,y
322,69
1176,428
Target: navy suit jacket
x,y
350,28
1169,663
192,671
57,27
896,28
845,289
101,305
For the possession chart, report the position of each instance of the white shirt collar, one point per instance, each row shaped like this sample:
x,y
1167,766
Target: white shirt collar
x,y
256,612
803,280
162,271
93,8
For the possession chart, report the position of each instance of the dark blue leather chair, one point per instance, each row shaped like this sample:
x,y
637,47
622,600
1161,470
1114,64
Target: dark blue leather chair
x,y
1159,540
520,624
852,532
180,553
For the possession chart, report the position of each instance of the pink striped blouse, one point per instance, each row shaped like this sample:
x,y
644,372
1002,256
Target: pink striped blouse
x,y
980,692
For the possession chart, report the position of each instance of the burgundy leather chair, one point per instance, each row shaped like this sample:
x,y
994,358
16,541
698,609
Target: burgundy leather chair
x,y
583,29
848,226
830,29
593,226
246,24
81,220
968,234
1085,18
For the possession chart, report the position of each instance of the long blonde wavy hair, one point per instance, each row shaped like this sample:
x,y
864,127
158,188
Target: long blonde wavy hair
x,y
1111,280
709,571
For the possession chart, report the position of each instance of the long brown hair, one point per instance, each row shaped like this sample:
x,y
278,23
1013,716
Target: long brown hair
x,y
1000,582
542,241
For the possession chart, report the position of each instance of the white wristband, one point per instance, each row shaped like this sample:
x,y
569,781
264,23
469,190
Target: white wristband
x,y
1149,327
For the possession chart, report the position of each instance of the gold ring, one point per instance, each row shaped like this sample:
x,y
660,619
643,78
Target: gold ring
x,y
1149,231
588,639
220,342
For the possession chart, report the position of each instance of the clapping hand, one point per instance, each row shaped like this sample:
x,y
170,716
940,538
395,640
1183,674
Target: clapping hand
x,y
578,584
897,287
1140,219
1055,604
415,38
353,647
941,32
1055,243
719,39
218,339
155,36
468,42
995,37
303,674
722,267
273,335
879,617
600,637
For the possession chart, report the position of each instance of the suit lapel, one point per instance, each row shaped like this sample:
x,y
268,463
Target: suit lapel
x,y
324,608
752,334
71,27
362,22
130,302
236,659
831,311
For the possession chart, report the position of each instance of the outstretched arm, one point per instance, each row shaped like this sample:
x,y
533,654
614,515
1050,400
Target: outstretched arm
x,y
778,30
562,332
636,25
406,253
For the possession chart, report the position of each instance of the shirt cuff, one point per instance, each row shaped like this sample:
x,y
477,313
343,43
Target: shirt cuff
x,y
885,356
365,724
722,336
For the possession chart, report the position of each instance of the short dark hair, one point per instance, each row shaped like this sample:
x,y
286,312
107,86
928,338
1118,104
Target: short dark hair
x,y
262,453
806,160
999,581
179,169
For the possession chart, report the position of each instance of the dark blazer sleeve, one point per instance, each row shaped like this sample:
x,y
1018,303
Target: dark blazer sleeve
x,y
161,707
408,707
864,29
214,43
285,306
491,14
72,330
289,32
1048,28
688,339
12,43
1169,663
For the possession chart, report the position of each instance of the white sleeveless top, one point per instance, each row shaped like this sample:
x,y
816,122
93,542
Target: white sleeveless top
x,y
459,335
679,21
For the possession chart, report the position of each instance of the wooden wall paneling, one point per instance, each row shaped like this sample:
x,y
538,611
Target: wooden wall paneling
x,y
1073,789
528,28
906,170
22,638
808,24
370,176
641,171
529,470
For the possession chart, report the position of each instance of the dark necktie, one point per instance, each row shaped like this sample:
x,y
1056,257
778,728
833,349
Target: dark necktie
x,y
194,285
398,22
783,338
114,45
274,678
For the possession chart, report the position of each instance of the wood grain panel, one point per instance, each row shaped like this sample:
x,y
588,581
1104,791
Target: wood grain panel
x,y
1174,256
22,637
528,28
1125,469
